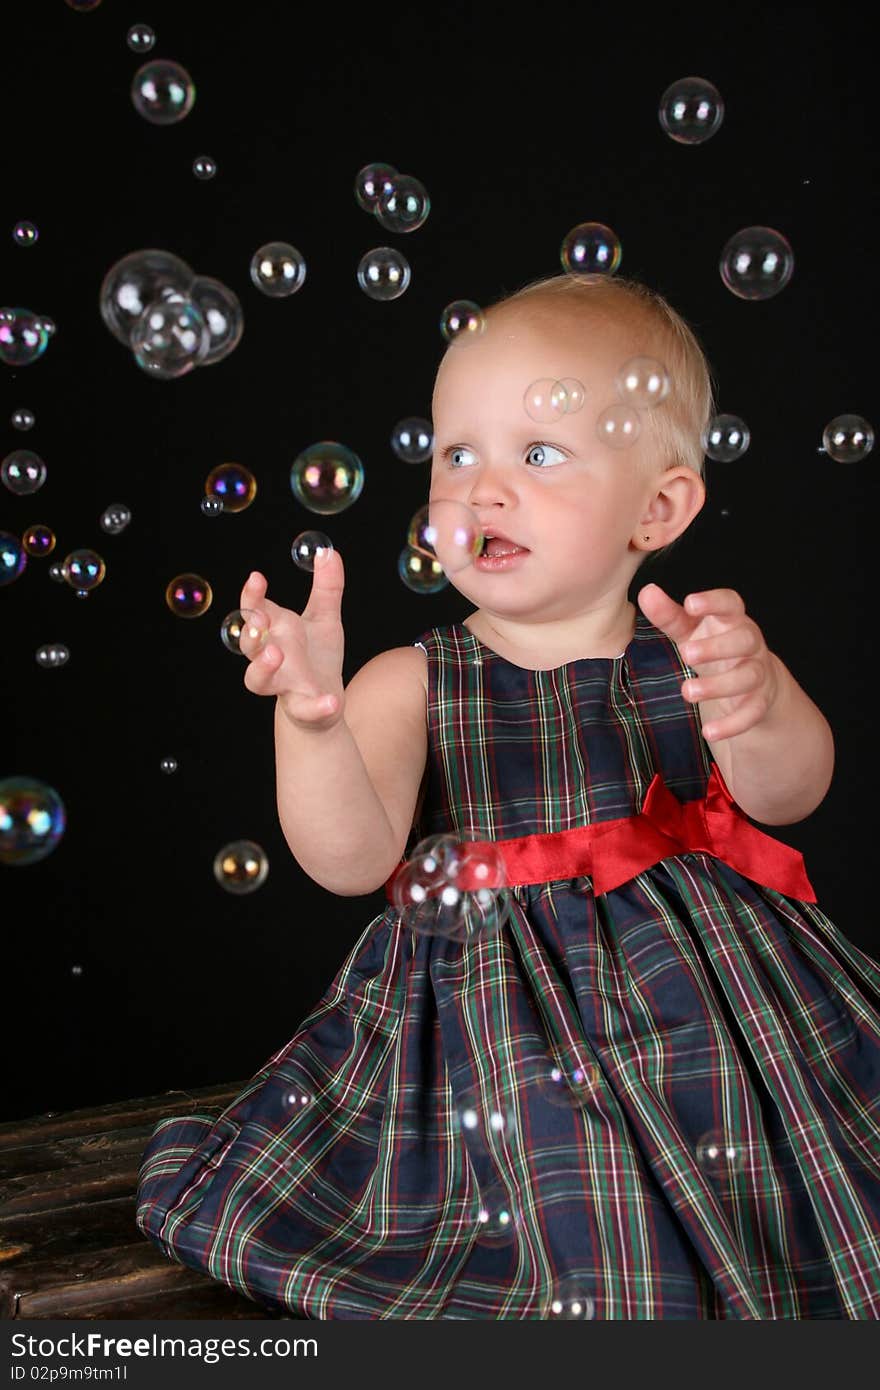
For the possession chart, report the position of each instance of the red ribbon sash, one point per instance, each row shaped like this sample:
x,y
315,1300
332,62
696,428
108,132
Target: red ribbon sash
x,y
613,851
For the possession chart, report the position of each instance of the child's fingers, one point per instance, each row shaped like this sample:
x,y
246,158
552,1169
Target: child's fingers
x,y
328,582
253,590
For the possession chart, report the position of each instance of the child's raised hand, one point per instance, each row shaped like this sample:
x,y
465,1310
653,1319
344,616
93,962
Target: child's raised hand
x,y
300,658
738,678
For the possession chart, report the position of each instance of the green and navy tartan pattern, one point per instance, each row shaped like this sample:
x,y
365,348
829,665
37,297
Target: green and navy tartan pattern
x,y
695,1001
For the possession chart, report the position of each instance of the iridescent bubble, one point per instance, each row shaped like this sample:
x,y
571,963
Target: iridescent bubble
x,y
591,248
47,324
23,419
204,167
23,337
497,1219
234,484
306,547
848,438
756,263
188,595
32,820
170,339
619,426
221,310
567,1080
53,655
327,477
448,529
726,438
569,1303
412,440
278,269
84,570
115,518
545,400
421,573
241,866
452,888
13,557
237,622
168,765
691,110
38,540
56,572
140,38
404,206
575,394
371,182
486,1123
25,234
162,92
212,506
643,382
137,281
23,472
718,1155
384,273
462,322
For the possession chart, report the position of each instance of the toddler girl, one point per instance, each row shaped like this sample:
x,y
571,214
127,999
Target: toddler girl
x,y
652,1092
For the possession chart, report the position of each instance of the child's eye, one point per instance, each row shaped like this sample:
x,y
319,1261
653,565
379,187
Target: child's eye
x,y
453,455
542,448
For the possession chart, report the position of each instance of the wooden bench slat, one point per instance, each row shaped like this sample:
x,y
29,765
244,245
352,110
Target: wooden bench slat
x,y
15,1134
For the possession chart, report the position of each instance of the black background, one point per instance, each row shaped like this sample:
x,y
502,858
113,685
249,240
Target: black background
x,y
520,124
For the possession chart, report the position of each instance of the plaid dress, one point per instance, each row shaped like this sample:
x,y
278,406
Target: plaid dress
x,y
713,1149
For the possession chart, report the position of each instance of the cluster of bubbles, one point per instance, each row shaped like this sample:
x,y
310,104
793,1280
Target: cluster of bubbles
x,y
399,203
171,319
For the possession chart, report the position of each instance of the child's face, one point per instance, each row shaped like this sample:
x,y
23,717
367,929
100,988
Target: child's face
x,y
577,501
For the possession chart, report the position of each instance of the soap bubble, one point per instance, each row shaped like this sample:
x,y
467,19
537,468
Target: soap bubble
x,y
691,110
567,1080
568,1302
170,338
575,394
756,263
212,506
497,1220
412,440
204,167
115,518
278,269
24,336
53,655
168,765
718,1155
188,596
384,273
545,400
221,310
619,426
371,182
32,820
449,530
140,38
643,382
236,623
38,540
13,557
234,484
241,867
83,5
306,547
452,888
485,1123
23,419
25,234
421,573
462,321
848,438
327,478
404,206
726,438
162,92
135,282
591,248
56,572
84,570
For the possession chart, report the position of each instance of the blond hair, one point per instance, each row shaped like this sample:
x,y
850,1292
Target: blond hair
x,y
679,423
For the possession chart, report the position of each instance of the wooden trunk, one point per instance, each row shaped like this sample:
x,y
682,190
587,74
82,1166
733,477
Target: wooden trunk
x,y
69,1246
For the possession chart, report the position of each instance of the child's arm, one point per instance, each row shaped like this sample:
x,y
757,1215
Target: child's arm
x,y
347,794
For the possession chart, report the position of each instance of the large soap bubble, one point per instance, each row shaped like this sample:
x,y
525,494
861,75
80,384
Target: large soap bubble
x,y
137,281
32,820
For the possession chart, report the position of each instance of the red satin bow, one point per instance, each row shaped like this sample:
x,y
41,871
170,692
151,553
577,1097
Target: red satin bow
x,y
613,851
